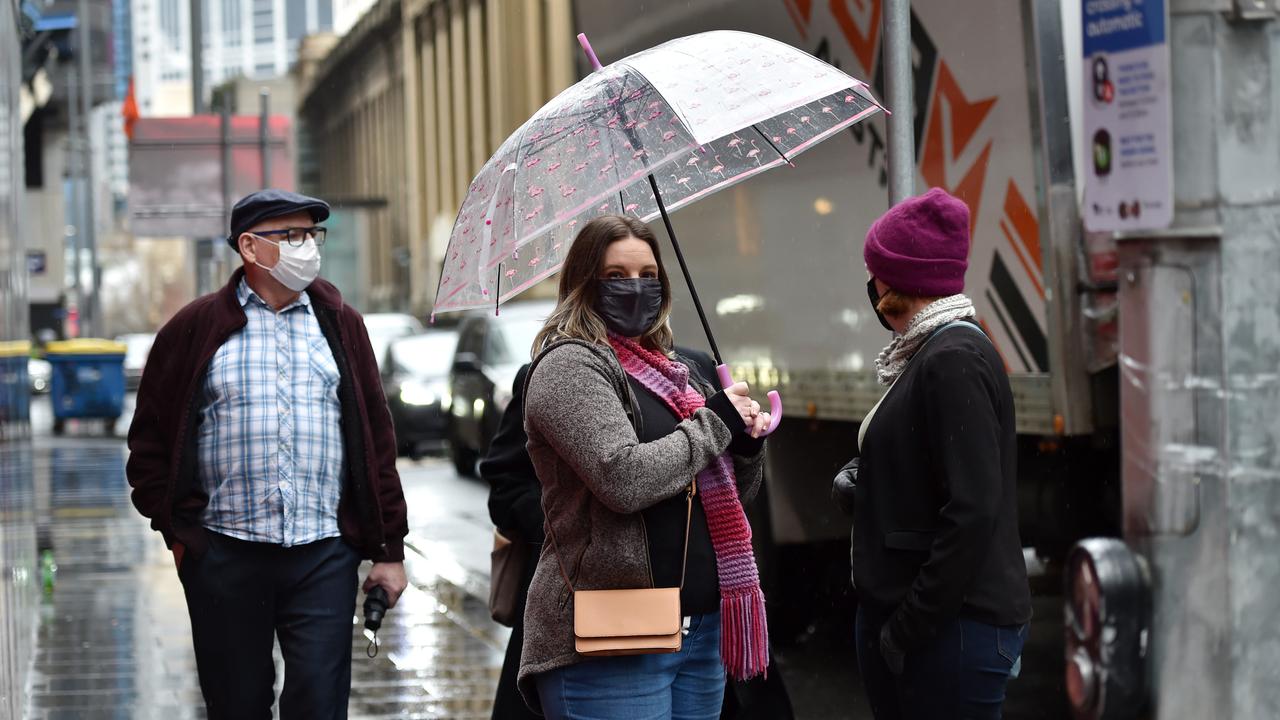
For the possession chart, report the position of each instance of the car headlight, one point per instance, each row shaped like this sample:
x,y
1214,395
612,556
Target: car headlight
x,y
413,392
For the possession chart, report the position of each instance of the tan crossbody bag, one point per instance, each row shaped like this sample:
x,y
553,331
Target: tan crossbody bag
x,y
644,621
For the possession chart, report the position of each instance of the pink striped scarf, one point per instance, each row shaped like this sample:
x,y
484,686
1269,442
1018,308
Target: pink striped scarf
x,y
744,637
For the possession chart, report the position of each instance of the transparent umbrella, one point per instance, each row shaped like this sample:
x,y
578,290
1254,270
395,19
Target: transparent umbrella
x,y
643,136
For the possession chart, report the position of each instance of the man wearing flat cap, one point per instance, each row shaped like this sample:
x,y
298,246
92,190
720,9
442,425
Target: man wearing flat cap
x,y
263,452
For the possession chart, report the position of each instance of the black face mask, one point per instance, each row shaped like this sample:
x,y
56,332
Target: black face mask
x,y
874,296
629,306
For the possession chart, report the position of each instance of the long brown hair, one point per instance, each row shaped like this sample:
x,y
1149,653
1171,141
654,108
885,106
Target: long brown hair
x,y
575,316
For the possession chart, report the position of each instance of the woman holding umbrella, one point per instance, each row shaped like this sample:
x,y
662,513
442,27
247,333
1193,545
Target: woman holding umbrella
x,y
618,430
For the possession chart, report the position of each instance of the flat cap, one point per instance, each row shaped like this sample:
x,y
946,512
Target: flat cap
x,y
266,204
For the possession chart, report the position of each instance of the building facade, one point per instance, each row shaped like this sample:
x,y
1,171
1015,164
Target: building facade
x,y
397,119
257,39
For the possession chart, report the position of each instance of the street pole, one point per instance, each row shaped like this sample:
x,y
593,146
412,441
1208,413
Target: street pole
x,y
264,137
73,161
221,249
197,58
90,311
897,78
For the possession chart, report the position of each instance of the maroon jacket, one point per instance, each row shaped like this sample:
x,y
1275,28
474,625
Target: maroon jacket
x,y
162,439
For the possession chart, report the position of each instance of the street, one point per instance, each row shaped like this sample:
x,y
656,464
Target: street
x,y
115,639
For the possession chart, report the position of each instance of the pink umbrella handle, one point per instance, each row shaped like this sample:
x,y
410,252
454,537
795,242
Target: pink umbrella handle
x,y
591,54
775,400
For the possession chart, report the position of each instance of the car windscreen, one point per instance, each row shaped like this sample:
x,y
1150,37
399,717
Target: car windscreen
x,y
425,355
516,341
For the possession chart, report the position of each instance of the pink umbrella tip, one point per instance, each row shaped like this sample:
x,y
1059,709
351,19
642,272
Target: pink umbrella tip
x,y
591,54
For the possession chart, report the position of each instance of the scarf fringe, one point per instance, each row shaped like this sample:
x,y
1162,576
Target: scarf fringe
x,y
744,635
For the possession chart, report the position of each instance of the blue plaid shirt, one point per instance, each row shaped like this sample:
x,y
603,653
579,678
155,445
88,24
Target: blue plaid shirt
x,y
270,443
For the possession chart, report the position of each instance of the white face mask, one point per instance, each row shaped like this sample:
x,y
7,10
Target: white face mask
x,y
297,266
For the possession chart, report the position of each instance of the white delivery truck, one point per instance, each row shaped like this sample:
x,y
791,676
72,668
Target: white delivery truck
x,y
778,260
1145,367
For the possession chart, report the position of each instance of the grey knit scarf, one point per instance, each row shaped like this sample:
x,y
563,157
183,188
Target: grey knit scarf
x,y
894,358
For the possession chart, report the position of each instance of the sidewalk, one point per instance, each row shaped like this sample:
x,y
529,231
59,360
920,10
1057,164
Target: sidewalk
x,y
115,641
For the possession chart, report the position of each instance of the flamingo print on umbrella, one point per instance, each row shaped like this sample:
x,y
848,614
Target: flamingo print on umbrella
x,y
644,136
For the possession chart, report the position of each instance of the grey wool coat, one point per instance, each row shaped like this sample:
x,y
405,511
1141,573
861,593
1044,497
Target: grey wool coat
x,y
596,479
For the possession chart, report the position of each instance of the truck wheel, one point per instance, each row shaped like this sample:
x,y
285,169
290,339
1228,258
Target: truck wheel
x,y
59,426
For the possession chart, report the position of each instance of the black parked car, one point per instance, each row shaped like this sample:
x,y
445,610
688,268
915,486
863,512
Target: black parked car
x,y
415,379
490,351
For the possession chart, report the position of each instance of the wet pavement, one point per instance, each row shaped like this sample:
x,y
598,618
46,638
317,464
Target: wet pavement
x,y
114,639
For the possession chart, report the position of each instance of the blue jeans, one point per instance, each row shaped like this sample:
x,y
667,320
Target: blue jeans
x,y
960,675
688,685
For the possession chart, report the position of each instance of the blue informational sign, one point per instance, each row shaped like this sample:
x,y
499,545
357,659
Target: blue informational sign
x,y
1128,179
1117,25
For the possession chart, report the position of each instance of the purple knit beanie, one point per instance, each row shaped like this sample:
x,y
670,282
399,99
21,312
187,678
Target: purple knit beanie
x,y
921,246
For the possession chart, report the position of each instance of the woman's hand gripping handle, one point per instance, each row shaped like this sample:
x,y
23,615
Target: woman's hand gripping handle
x,y
762,423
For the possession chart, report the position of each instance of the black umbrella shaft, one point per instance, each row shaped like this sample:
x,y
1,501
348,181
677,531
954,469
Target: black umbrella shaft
x,y
684,268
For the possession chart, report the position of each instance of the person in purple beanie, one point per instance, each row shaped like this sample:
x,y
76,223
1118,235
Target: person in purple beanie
x,y
943,599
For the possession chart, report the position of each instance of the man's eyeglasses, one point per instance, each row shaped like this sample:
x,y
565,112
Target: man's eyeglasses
x,y
295,236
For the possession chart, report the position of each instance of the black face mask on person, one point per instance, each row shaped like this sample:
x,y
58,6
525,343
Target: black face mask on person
x,y
874,296
629,306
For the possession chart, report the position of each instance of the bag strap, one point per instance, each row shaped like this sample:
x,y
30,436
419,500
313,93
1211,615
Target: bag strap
x,y
633,412
955,324
688,523
684,564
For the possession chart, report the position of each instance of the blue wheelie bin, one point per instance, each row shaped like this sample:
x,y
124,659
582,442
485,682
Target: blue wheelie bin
x,y
15,394
88,381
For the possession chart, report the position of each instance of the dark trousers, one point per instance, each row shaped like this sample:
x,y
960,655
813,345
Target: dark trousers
x,y
761,698
960,675
241,595
508,703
